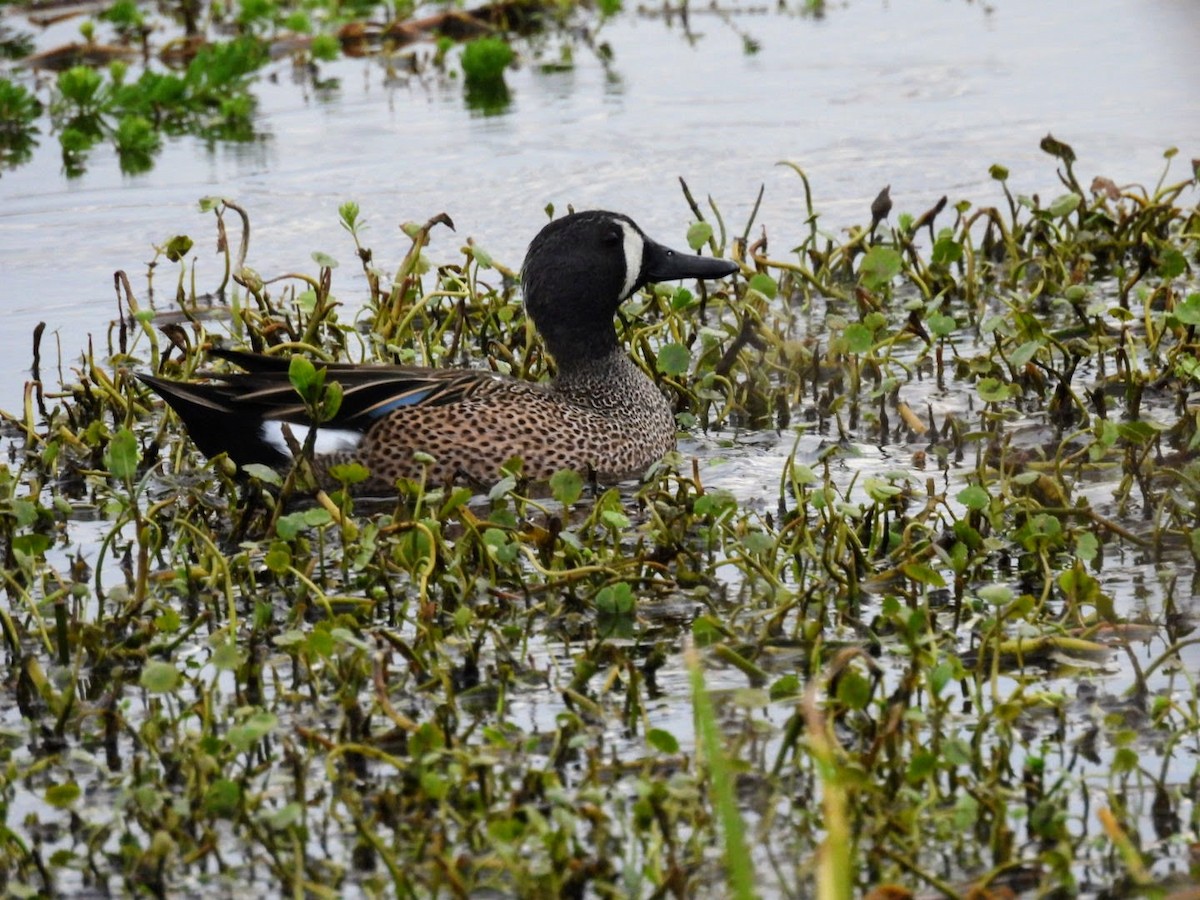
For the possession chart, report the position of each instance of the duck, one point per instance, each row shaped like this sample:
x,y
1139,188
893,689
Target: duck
x,y
600,415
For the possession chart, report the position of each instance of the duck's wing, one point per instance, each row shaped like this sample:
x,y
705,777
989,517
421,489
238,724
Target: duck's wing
x,y
231,411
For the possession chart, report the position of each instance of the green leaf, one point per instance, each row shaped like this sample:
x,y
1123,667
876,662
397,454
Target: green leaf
x,y
168,620
1025,353
227,656
784,687
331,401
34,544
940,675
222,798
662,741
566,486
287,527
303,376
307,300
706,630
673,360
349,473
1188,312
615,599
879,266
159,677
319,643
615,519
121,456
881,490
177,247
947,251
853,689
317,516
993,390
922,764
26,511
1087,546
764,284
859,338
715,503
324,260
973,497
681,299
1171,263
699,234
285,817
413,548
1064,205
265,474
941,325
60,796
923,574
350,639
803,474
1139,432
995,594
257,726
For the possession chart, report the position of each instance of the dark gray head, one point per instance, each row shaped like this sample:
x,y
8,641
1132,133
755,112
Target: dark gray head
x,y
580,268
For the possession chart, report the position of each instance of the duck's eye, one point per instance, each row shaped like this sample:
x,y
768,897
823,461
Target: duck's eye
x,y
612,237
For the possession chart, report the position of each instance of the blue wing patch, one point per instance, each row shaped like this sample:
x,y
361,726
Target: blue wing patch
x,y
413,398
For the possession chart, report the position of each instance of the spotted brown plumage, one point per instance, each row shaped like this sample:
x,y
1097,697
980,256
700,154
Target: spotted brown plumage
x,y
600,414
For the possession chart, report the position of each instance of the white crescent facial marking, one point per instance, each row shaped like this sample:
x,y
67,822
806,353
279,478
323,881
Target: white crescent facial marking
x,y
329,440
634,248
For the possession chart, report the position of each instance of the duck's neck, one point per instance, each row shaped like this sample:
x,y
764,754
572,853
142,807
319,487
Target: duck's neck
x,y
611,382
581,348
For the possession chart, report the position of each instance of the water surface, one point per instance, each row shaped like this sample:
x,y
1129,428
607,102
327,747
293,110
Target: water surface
x,y
922,96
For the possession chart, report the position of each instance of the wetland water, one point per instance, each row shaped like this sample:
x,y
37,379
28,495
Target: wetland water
x,y
923,97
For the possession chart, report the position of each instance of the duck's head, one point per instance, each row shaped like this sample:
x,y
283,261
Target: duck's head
x,y
581,267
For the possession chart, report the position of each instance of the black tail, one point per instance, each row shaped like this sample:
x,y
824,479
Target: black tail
x,y
216,424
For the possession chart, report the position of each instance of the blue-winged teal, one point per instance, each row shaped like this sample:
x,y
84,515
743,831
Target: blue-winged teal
x,y
600,415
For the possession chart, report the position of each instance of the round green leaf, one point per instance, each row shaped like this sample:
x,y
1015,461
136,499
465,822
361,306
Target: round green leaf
x,y
673,359
566,486
159,677
973,497
699,234
859,338
880,265
764,284
121,456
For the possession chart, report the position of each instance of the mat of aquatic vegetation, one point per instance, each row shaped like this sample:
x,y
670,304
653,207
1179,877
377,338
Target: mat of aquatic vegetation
x,y
951,651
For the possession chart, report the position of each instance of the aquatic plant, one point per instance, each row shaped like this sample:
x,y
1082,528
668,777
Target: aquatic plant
x,y
945,642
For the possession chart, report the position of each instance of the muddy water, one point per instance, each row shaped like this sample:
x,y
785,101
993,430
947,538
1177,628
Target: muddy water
x,y
923,96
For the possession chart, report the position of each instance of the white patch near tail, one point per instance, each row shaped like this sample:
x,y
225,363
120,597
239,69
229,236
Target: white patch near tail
x,y
329,440
634,249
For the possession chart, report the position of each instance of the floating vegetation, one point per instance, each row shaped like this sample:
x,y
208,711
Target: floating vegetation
x,y
952,650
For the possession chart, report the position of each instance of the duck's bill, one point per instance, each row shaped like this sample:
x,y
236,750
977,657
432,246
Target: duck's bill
x,y
664,264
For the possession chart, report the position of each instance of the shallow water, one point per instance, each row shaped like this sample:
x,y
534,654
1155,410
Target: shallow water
x,y
923,96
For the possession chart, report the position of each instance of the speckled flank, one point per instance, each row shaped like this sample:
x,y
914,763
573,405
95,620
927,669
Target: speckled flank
x,y
611,421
